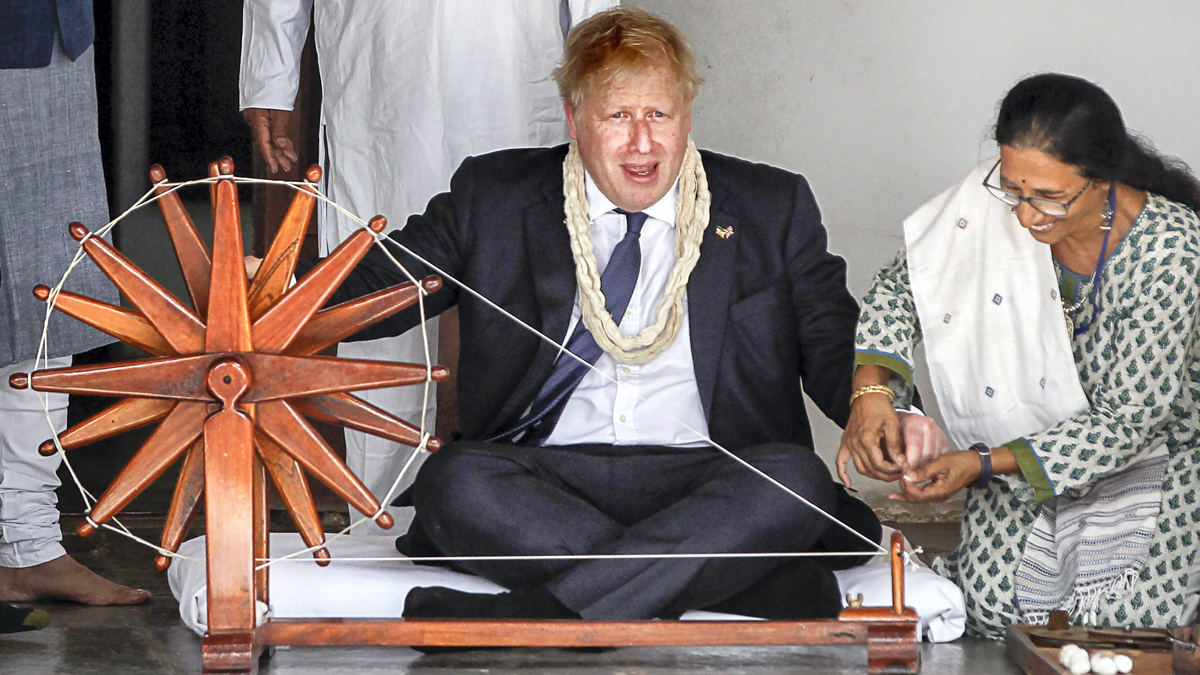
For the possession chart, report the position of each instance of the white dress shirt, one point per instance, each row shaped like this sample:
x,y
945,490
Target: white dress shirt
x,y
602,410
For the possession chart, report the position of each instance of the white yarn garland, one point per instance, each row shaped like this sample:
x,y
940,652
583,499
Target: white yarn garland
x,y
691,219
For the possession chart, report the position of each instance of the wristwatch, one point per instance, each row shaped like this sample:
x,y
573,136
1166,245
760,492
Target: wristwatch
x,y
985,465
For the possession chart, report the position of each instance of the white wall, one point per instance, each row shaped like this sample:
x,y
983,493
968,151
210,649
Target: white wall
x,y
881,104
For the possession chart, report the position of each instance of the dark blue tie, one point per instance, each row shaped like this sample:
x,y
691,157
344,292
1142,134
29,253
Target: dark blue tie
x,y
617,283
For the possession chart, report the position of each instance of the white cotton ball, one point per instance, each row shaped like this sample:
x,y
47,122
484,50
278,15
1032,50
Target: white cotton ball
x,y
1079,667
1124,663
1066,652
1079,663
1103,664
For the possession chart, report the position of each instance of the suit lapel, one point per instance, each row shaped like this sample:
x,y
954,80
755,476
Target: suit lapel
x,y
708,296
548,245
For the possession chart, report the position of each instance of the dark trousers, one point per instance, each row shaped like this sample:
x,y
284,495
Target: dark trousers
x,y
475,498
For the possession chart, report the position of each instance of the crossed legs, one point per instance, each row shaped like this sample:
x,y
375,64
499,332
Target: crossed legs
x,y
490,499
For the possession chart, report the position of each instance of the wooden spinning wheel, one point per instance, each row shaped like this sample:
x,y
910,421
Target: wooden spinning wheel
x,y
231,384
234,379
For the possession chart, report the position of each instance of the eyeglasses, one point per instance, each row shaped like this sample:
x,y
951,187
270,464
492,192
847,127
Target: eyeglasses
x,y
1044,205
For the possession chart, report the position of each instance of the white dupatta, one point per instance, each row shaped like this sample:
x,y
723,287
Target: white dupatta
x,y
986,293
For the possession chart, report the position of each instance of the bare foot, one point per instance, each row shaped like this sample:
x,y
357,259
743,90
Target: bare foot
x,y
64,579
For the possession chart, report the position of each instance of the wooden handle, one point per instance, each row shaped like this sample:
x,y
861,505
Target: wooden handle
x,y
897,572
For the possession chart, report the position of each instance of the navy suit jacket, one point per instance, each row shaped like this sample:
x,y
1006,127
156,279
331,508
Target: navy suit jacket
x,y
28,29
768,306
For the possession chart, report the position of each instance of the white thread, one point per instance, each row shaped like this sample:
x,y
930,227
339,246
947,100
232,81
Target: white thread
x,y
150,196
563,350
566,352
910,555
266,562
160,550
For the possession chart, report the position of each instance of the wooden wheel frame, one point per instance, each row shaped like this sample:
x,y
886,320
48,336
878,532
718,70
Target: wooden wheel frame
x,y
231,384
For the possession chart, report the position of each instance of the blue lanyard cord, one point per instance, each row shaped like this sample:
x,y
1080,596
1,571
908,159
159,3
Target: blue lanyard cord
x,y
1094,291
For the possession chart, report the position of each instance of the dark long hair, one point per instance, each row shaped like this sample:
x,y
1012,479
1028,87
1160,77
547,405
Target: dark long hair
x,y
1077,123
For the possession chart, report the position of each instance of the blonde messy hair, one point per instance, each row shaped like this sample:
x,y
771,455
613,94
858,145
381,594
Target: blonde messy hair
x,y
619,41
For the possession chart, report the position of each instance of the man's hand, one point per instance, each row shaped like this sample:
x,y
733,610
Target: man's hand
x,y
252,265
872,440
940,479
924,441
269,128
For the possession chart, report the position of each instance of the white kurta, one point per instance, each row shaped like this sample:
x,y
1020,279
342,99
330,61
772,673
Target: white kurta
x,y
410,89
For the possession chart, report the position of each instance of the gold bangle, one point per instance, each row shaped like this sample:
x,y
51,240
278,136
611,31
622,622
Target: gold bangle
x,y
873,389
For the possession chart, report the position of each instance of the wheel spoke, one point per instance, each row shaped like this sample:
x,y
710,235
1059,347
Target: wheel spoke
x,y
174,377
283,425
280,324
178,325
297,497
189,247
174,435
330,326
228,314
118,418
185,503
124,324
275,274
355,413
300,376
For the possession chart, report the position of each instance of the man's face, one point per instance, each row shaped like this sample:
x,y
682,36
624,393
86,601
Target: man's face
x,y
632,133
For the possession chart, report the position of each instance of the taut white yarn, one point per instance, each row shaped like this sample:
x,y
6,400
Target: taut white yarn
x,y
691,219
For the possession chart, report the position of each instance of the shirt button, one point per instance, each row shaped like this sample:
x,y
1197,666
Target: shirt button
x,y
622,418
625,369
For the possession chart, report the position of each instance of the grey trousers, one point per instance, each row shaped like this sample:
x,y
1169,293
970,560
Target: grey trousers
x,y
475,498
50,175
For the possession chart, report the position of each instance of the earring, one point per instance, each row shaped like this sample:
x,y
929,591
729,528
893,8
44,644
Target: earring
x,y
1012,210
1106,216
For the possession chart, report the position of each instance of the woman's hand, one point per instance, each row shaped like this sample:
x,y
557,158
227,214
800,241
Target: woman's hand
x,y
871,439
941,478
923,440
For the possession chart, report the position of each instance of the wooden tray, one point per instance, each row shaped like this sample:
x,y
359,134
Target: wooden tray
x,y
1035,660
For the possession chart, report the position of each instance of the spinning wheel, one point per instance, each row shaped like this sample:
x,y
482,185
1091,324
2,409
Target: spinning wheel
x,y
231,384
234,379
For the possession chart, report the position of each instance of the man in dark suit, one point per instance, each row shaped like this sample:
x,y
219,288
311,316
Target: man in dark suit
x,y
560,459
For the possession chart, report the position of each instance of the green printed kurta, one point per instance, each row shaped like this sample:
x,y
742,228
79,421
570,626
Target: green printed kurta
x,y
1139,364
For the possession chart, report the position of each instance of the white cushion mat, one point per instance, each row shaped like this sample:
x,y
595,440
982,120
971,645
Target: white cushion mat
x,y
376,589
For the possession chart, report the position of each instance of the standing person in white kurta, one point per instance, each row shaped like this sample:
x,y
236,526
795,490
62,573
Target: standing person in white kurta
x,y
410,89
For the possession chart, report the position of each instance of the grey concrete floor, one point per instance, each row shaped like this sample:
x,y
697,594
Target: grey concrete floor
x,y
151,638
